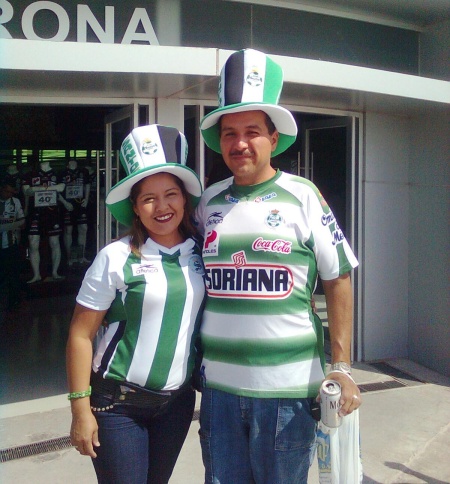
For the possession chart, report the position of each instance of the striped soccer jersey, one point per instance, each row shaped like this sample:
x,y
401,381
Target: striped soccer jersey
x,y
155,304
10,211
264,246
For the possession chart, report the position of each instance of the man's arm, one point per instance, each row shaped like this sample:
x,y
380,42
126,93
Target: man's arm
x,y
339,298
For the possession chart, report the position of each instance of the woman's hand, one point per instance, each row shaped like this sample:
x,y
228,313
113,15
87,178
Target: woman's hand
x,y
84,433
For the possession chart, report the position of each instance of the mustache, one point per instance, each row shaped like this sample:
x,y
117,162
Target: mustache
x,y
245,152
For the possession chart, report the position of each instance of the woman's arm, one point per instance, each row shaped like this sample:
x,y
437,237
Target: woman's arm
x,y
83,328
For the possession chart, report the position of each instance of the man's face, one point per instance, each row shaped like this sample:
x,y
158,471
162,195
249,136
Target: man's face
x,y
6,192
247,146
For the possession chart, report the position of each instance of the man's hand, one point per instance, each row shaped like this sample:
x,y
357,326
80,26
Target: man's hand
x,y
350,394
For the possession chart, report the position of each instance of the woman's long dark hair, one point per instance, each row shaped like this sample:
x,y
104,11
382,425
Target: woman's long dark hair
x,y
138,233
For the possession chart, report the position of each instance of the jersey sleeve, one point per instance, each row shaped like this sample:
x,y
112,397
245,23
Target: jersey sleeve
x,y
19,210
98,289
333,253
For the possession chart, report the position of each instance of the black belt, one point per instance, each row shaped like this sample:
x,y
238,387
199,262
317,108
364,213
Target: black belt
x,y
132,394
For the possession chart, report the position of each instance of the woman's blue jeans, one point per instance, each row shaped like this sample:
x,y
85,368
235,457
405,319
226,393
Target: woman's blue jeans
x,y
256,440
138,445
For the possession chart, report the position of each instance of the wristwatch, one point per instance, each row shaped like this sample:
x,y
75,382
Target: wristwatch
x,y
341,366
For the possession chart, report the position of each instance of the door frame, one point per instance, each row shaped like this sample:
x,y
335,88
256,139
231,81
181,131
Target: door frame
x,y
104,218
353,123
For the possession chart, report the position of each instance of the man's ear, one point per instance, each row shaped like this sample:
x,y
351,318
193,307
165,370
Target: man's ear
x,y
274,140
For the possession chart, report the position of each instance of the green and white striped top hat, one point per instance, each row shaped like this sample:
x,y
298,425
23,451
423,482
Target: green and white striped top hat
x,y
148,150
250,81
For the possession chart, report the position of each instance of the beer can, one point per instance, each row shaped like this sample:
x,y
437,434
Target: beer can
x,y
330,394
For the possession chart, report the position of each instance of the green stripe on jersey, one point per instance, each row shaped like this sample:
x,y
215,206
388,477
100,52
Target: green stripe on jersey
x,y
261,352
172,316
133,310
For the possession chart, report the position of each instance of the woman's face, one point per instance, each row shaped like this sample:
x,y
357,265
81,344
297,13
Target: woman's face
x,y
160,207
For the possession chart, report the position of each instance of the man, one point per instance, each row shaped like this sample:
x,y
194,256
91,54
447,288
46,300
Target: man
x,y
268,235
12,220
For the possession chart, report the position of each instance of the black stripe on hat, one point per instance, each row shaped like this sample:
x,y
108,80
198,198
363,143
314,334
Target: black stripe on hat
x,y
171,143
234,78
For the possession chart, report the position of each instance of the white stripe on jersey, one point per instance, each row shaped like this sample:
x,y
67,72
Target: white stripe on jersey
x,y
264,378
254,327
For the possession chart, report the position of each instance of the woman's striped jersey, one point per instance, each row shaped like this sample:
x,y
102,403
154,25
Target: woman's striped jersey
x,y
154,304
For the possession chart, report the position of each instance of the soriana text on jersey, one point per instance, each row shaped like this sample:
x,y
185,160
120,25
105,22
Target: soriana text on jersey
x,y
257,281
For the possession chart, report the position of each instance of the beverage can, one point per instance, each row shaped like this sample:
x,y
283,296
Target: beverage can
x,y
330,394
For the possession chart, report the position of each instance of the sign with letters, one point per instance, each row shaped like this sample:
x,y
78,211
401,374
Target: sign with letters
x,y
63,21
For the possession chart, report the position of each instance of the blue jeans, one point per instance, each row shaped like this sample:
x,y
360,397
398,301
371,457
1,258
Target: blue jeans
x,y
138,445
256,440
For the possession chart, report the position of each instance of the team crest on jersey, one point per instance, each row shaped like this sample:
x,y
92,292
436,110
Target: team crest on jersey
x,y
214,218
211,244
274,219
196,264
149,147
142,269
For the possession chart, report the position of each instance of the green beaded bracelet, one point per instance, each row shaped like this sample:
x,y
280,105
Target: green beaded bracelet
x,y
74,395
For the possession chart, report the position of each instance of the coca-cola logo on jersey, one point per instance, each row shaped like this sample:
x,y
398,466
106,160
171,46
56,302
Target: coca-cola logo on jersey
x,y
279,246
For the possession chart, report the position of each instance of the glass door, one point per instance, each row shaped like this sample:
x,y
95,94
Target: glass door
x,y
330,154
118,125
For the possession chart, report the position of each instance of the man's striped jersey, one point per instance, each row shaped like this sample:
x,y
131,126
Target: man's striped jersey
x,y
154,307
264,246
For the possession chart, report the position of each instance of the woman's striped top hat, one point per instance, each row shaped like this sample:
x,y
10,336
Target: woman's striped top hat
x,y
250,81
148,150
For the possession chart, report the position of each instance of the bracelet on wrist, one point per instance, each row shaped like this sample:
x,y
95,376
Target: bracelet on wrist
x,y
75,395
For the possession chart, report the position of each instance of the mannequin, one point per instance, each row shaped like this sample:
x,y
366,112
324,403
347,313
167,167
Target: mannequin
x,y
12,220
13,178
75,199
41,189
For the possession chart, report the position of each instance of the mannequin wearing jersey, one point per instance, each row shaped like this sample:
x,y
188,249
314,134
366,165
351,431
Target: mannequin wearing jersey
x,y
41,191
12,220
132,401
75,199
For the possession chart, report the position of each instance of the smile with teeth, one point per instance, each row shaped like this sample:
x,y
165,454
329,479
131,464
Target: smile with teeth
x,y
164,218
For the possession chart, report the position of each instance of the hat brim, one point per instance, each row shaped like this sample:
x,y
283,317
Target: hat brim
x,y
281,118
118,201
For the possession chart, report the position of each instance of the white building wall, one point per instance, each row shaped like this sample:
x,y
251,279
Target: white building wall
x,y
429,262
385,237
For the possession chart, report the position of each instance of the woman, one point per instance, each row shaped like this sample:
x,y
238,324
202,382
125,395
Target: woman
x,y
133,403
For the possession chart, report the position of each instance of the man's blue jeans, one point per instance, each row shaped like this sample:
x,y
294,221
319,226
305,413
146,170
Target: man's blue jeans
x,y
261,440
138,446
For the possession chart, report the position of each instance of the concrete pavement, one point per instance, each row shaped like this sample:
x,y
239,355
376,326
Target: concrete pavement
x,y
405,433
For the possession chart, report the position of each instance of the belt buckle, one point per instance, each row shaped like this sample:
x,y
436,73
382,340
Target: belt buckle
x,y
123,392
